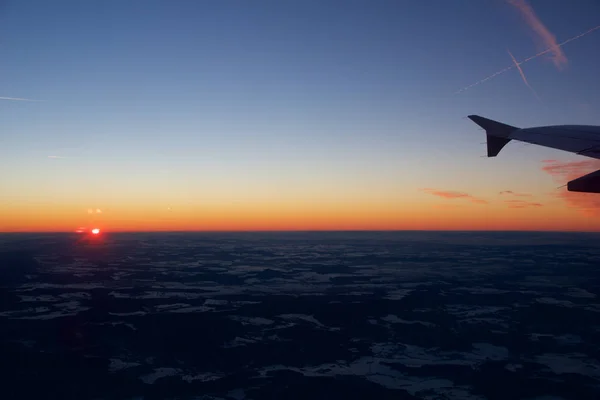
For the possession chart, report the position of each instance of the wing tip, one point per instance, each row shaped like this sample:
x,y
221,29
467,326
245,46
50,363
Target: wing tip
x,y
495,144
497,133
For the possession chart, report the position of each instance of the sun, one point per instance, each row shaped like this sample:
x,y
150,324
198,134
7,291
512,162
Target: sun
x,y
95,231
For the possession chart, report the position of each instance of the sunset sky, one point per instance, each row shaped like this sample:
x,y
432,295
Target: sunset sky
x,y
270,114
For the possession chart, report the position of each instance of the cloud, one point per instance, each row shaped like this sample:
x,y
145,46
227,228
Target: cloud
x,y
586,203
515,203
17,99
448,206
542,35
566,171
55,157
447,194
478,201
563,172
521,204
511,193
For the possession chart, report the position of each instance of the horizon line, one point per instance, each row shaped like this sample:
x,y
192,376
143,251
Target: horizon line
x,y
314,231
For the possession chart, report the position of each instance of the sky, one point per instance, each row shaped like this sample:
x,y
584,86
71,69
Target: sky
x,y
292,115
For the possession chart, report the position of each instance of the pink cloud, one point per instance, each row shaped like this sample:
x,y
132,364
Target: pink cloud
x,y
448,206
449,194
543,36
511,193
478,201
521,204
571,169
587,203
563,172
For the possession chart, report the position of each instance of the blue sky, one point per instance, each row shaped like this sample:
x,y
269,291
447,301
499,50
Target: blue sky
x,y
339,98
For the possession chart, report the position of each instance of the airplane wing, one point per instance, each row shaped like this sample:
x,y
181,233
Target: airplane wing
x,y
579,139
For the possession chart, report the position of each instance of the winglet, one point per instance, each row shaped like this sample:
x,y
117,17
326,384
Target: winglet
x,y
497,133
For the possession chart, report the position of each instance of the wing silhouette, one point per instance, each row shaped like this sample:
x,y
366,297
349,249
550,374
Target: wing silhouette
x,y
579,139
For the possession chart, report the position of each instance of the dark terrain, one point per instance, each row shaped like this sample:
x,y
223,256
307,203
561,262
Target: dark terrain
x,y
372,315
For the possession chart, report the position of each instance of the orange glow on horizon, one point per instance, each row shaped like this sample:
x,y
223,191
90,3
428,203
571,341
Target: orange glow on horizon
x,y
428,214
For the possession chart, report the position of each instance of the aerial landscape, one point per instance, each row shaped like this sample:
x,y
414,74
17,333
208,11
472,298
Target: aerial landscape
x,y
394,315
300,200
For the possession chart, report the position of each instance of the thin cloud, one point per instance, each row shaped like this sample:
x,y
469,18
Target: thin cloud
x,y
585,203
447,206
543,36
521,204
68,152
571,169
448,194
18,99
478,201
541,53
563,172
511,193
523,75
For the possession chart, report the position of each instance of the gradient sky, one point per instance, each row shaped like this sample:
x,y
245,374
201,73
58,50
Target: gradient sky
x,y
226,115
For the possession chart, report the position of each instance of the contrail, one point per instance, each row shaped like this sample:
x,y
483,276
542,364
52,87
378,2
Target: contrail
x,y
558,57
17,99
541,53
523,75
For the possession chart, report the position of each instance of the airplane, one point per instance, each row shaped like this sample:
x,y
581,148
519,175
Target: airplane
x,y
578,139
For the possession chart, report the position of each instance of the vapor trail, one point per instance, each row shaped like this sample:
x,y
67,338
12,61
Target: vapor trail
x,y
17,99
543,34
523,75
541,53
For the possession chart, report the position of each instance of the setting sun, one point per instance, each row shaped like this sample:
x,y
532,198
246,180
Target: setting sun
x,y
95,231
